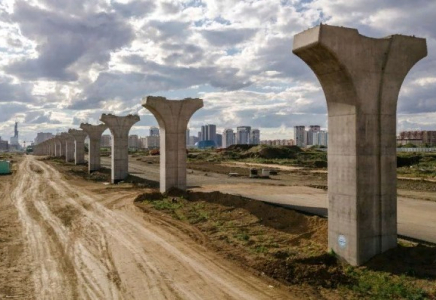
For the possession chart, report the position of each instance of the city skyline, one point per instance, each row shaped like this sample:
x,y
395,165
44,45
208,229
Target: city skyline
x,y
236,55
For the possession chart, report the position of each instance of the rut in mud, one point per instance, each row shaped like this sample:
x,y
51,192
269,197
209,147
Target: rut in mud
x,y
78,248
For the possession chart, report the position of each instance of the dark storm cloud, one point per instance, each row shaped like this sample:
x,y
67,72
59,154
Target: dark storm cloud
x,y
65,42
19,92
228,37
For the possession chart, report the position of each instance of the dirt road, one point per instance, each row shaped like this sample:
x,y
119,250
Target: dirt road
x,y
86,241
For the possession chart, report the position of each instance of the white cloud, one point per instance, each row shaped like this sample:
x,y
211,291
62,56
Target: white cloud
x,y
71,60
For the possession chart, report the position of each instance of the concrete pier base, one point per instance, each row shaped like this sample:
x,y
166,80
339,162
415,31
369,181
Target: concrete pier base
x,y
173,117
361,78
94,133
119,127
79,145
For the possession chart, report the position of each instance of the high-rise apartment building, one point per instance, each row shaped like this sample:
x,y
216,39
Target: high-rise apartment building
x,y
313,129
219,140
243,134
300,136
228,138
208,132
154,131
320,138
255,137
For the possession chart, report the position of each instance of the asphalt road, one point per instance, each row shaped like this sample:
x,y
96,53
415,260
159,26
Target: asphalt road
x,y
416,218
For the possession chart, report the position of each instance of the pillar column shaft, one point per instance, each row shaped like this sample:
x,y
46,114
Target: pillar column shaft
x,y
79,145
173,117
69,151
94,154
361,78
94,133
119,127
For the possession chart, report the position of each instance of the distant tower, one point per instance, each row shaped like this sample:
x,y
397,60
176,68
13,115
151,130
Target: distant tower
x,y
16,130
14,139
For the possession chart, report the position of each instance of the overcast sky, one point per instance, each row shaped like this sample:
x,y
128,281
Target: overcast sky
x,y
63,62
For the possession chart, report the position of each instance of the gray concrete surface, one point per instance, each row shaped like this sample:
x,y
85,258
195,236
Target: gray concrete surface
x,y
94,133
119,127
361,78
173,117
69,146
79,145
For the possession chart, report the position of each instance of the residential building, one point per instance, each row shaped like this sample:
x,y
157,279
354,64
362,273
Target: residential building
x,y
255,137
219,140
313,129
152,142
320,138
133,141
243,134
154,131
208,132
300,136
419,137
228,138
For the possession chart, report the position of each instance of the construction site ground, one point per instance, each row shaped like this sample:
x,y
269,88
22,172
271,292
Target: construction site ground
x,y
65,234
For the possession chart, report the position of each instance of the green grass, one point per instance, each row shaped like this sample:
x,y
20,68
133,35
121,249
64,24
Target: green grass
x,y
381,285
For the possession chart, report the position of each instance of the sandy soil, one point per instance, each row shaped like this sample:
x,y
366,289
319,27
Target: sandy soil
x,y
82,240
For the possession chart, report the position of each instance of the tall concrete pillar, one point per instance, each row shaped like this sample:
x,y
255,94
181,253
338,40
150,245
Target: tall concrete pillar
x,y
79,145
119,127
60,147
173,117
69,147
94,133
361,78
52,143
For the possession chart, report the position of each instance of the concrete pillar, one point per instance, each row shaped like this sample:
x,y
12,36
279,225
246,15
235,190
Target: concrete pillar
x,y
60,147
79,145
119,127
173,117
361,78
52,143
94,133
69,147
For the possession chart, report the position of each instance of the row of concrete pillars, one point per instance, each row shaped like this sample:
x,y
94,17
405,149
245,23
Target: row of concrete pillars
x,y
172,116
361,78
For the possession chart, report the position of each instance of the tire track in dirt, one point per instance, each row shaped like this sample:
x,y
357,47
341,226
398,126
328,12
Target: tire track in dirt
x,y
116,254
42,247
